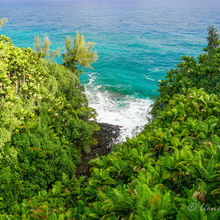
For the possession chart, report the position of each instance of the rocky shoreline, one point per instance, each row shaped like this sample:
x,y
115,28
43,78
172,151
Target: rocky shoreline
x,y
105,136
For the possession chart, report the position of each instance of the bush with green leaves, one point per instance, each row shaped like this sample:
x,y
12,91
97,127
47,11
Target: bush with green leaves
x,y
44,124
174,162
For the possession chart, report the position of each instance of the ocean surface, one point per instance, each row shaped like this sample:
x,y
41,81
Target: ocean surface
x,y
137,41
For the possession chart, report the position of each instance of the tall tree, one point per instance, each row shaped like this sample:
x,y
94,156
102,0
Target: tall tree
x,y
80,54
43,49
213,38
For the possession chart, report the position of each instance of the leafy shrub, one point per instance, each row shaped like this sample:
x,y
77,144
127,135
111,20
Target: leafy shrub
x,y
174,162
44,124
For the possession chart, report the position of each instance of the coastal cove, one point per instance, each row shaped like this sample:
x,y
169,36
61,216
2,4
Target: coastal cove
x,y
50,148
109,110
137,42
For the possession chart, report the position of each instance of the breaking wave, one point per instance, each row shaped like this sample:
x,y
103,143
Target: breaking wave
x,y
131,113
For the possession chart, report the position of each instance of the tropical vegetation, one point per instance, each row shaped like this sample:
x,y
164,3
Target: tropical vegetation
x,y
169,171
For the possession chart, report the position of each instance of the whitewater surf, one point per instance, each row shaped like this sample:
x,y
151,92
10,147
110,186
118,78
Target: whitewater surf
x,y
129,112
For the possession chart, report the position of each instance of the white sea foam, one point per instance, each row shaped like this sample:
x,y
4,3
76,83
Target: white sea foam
x,y
92,78
132,114
147,77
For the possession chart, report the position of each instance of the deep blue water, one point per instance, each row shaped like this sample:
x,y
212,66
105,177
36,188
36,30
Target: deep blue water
x,y
137,41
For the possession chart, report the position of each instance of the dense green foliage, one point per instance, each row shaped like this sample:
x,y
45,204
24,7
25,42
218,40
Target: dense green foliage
x,y
173,165
43,124
169,171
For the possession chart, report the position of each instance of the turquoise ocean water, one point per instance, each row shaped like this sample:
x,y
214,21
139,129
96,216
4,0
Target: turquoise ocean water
x,y
137,41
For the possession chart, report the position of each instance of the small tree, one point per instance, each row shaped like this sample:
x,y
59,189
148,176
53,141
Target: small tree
x,y
2,22
80,54
43,49
213,39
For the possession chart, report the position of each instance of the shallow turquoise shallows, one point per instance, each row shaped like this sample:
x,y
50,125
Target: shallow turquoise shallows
x,y
137,41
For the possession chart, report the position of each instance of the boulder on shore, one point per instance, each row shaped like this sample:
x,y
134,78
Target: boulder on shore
x,y
105,137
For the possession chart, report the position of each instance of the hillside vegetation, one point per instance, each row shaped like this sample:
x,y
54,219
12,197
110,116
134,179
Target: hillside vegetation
x,y
169,171
43,124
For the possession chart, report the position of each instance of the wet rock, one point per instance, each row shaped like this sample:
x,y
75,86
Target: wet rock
x,y
105,136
